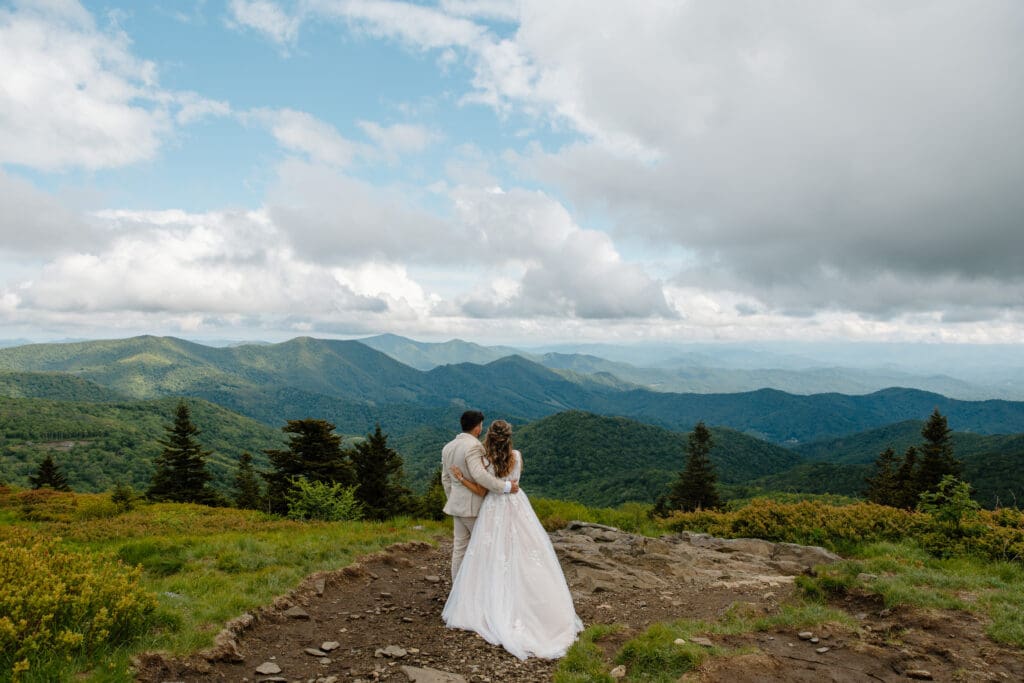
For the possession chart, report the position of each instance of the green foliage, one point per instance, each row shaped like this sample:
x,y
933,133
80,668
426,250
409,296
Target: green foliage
x,y
379,477
314,453
56,600
584,662
123,497
431,504
181,475
248,493
882,485
318,500
695,488
101,444
49,475
936,454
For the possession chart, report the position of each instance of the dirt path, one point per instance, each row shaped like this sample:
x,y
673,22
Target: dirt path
x,y
384,615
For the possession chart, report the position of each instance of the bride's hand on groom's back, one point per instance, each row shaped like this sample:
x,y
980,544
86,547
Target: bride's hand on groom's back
x,y
515,486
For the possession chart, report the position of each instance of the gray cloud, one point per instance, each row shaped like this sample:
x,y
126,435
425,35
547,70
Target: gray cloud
x,y
862,156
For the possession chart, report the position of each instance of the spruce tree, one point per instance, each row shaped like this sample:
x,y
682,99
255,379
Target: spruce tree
x,y
905,485
49,475
314,452
936,454
379,478
181,475
695,487
431,503
248,493
882,486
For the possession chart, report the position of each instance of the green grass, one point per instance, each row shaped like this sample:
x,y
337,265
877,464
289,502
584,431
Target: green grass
x,y
207,566
654,656
904,574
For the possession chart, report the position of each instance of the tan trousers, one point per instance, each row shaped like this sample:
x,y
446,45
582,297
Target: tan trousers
x,y
460,540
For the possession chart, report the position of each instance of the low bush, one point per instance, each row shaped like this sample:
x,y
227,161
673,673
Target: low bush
x,y
56,600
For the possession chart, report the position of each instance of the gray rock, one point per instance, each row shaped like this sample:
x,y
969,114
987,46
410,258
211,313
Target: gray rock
x,y
805,635
330,645
679,641
417,674
320,585
919,674
815,641
618,672
822,650
704,642
392,651
296,612
314,652
268,669
432,578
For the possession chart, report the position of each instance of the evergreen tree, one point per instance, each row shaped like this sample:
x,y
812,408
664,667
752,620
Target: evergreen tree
x,y
905,485
181,475
379,478
936,454
248,493
695,487
50,476
882,486
314,452
431,503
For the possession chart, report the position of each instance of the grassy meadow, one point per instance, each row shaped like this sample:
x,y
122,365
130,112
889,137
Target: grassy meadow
x,y
84,587
179,573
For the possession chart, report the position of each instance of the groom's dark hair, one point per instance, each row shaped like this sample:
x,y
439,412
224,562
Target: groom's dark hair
x,y
470,419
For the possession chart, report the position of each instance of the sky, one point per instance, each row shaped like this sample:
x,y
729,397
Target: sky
x,y
513,171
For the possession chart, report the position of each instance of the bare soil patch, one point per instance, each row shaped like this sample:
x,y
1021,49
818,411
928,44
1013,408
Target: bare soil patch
x,y
395,598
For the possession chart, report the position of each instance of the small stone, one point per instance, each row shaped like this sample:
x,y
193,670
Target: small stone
x,y
618,672
329,645
385,595
392,651
679,641
604,605
296,612
919,674
314,652
328,679
319,586
408,620
821,650
427,675
704,642
432,578
867,578
815,640
325,660
805,635
268,669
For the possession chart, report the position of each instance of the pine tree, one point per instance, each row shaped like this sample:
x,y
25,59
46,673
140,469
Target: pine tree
x,y
379,478
936,454
248,493
431,503
181,475
905,485
882,486
695,487
50,476
314,452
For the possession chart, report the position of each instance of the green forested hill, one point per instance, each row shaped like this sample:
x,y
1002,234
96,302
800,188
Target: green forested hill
x,y
355,386
55,385
99,444
864,447
608,460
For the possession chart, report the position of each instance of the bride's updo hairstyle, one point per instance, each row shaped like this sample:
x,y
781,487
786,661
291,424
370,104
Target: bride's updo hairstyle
x,y
498,445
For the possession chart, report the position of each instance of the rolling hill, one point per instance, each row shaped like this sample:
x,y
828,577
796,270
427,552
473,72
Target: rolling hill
x,y
355,386
99,444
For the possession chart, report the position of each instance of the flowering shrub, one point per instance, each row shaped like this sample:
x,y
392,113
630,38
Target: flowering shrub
x,y
53,599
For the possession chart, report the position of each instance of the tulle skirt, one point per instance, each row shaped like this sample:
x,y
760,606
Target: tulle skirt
x,y
510,588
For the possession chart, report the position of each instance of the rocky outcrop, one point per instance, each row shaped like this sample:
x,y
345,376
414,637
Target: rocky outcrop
x,y
598,558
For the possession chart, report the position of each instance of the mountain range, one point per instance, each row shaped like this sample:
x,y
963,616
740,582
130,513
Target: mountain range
x,y
778,439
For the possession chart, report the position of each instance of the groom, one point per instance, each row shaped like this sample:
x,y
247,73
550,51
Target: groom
x,y
466,452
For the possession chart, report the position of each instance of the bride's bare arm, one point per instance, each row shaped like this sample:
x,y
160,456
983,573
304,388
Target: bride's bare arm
x,y
471,485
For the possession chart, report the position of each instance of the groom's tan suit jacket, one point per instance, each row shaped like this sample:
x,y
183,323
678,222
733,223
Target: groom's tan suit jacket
x,y
467,453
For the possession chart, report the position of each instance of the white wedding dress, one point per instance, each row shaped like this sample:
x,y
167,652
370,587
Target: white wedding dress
x,y
510,588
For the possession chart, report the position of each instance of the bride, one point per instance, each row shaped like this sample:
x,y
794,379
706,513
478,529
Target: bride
x,y
510,588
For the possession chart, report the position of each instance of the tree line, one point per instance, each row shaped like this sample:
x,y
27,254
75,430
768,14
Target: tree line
x,y
313,478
